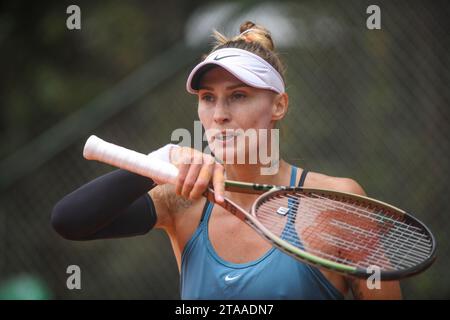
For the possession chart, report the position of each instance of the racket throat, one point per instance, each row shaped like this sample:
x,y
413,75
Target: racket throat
x,y
228,205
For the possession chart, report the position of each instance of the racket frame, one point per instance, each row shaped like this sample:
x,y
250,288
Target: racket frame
x,y
269,190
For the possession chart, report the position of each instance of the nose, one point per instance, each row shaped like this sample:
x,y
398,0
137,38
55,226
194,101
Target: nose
x,y
221,112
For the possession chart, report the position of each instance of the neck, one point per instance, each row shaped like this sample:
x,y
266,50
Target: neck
x,y
252,173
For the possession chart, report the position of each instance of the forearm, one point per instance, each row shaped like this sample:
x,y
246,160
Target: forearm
x,y
114,205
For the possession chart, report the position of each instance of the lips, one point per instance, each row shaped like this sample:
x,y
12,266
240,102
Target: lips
x,y
225,135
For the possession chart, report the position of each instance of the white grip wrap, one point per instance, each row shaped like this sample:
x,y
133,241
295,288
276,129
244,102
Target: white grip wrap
x,y
109,153
163,153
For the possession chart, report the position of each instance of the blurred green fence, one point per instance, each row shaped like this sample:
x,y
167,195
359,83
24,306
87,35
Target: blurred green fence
x,y
372,105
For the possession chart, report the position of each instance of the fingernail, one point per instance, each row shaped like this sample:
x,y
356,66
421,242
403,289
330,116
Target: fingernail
x,y
219,198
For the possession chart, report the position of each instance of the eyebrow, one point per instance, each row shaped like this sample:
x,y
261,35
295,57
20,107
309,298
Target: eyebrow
x,y
239,85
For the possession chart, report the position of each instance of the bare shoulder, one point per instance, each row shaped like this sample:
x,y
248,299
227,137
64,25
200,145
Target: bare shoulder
x,y
323,181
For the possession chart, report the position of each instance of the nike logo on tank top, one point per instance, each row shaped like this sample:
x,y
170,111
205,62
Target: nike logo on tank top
x,y
274,275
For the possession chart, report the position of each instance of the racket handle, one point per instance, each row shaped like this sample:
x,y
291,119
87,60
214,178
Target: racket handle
x,y
120,157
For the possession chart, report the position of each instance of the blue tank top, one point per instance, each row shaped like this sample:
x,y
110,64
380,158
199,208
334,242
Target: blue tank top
x,y
275,275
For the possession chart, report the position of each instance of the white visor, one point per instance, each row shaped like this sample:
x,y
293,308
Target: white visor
x,y
244,65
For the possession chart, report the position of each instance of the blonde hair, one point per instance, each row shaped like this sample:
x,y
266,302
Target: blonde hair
x,y
255,39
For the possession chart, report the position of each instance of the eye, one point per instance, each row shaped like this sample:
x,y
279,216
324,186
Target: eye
x,y
207,97
238,95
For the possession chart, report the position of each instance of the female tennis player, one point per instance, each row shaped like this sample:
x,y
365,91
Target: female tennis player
x,y
240,86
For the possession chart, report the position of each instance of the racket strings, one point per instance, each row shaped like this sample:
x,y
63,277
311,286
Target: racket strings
x,y
364,210
376,239
413,231
397,231
342,244
393,235
319,208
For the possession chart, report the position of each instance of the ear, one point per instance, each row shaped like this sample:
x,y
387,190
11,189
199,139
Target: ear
x,y
280,106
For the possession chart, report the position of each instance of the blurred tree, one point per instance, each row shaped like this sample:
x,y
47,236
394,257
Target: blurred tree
x,y
48,71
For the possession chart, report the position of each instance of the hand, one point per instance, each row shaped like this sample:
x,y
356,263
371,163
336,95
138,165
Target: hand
x,y
196,171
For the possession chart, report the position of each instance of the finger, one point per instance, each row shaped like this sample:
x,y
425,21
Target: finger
x,y
219,182
183,170
182,159
181,155
191,177
204,176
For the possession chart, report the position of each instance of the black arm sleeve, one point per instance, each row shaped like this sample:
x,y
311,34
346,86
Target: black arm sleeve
x,y
114,205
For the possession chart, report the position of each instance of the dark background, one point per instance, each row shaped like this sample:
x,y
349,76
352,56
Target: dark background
x,y
372,105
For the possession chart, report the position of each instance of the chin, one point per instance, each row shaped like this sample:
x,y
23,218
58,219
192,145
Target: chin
x,y
229,154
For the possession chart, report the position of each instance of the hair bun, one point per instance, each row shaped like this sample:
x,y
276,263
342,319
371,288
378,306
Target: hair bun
x,y
245,26
251,32
253,38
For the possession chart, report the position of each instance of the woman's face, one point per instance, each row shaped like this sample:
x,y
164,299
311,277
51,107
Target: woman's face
x,y
229,109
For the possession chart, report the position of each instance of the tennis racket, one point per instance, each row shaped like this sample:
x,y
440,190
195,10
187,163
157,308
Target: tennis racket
x,y
346,233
